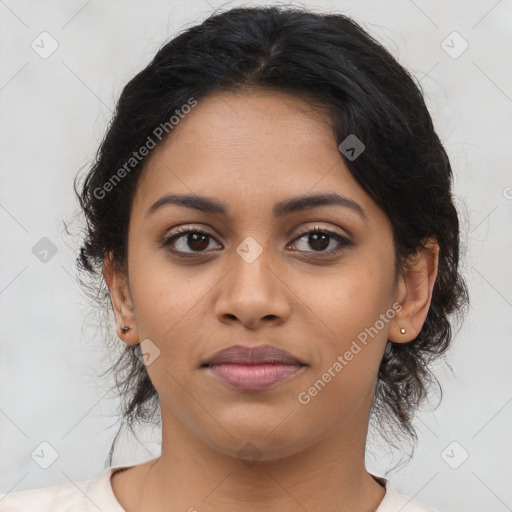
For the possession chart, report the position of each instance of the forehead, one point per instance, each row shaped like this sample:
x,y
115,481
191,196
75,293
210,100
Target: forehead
x,y
252,149
250,124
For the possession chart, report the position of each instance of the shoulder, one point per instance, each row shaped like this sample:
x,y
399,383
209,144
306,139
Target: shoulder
x,y
394,501
84,496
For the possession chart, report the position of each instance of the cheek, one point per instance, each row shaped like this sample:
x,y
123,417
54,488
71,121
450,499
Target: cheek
x,y
168,298
352,342
351,345
353,298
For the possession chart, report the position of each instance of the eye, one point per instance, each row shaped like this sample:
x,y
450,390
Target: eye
x,y
192,238
320,239
193,241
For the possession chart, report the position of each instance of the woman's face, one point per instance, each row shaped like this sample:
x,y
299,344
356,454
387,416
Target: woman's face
x,y
260,277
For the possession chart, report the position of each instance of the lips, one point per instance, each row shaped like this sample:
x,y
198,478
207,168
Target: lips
x,y
253,368
240,354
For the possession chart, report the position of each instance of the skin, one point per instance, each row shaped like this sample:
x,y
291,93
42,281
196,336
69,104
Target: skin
x,y
250,151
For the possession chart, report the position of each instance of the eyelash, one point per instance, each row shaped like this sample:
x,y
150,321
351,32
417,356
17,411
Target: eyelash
x,y
180,232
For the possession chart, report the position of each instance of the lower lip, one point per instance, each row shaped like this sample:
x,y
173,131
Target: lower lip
x,y
254,377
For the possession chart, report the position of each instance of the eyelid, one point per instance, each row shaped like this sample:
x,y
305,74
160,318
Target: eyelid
x,y
317,227
174,233
344,242
184,228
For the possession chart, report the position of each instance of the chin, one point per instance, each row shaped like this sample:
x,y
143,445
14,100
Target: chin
x,y
251,444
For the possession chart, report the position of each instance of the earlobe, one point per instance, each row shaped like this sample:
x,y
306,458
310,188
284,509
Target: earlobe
x,y
414,292
121,299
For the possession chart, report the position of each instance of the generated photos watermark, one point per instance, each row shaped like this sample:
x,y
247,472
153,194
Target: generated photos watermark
x,y
159,133
304,397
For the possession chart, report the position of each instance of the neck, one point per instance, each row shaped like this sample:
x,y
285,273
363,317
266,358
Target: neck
x,y
329,475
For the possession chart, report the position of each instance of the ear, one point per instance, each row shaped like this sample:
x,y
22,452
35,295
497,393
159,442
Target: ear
x,y
117,282
414,292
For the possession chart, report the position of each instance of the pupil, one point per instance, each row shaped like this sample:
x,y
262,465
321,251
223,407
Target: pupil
x,y
193,239
323,243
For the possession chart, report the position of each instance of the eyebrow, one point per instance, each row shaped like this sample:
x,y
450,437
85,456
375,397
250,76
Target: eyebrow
x,y
281,209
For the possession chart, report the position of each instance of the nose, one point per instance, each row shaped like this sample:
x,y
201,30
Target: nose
x,y
253,293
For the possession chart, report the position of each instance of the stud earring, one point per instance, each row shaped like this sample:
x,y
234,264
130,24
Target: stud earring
x,y
125,328
402,331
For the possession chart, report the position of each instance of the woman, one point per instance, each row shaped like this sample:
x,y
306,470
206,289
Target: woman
x,y
270,219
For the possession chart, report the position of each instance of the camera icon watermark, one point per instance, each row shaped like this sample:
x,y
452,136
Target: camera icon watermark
x,y
454,45
44,250
351,147
507,192
44,455
454,455
249,453
249,250
147,352
44,45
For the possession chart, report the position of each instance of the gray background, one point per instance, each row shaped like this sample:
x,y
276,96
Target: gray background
x,y
54,113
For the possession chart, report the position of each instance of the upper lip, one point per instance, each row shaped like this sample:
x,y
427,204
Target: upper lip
x,y
241,354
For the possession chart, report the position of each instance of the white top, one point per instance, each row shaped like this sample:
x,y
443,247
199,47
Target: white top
x,y
97,494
